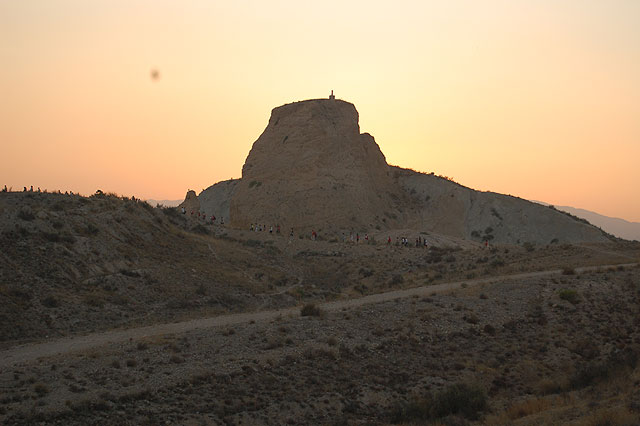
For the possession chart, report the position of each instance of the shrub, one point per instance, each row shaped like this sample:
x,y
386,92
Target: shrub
x,y
199,229
527,408
176,359
549,386
170,211
471,318
50,302
570,296
459,399
94,300
252,243
26,215
365,272
528,246
52,237
92,229
41,389
310,309
396,279
595,372
496,263
568,271
128,273
131,362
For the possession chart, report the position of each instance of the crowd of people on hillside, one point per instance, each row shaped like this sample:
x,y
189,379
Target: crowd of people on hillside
x,y
38,190
202,216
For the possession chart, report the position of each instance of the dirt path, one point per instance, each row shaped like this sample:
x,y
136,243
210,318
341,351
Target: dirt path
x,y
31,352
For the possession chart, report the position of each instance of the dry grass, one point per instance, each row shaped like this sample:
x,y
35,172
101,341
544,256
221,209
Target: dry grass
x,y
617,416
527,408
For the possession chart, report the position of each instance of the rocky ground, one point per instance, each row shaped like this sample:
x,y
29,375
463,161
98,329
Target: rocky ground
x,y
553,349
550,350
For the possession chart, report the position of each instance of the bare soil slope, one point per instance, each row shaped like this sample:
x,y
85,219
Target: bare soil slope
x,y
446,207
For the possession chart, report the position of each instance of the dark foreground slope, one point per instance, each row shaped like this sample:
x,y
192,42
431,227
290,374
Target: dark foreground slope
x,y
549,350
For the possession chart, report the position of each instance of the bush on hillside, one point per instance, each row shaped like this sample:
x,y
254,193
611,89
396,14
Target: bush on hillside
x,y
459,399
310,310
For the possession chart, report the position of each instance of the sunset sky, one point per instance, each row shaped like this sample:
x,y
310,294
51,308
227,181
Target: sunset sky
x,y
538,99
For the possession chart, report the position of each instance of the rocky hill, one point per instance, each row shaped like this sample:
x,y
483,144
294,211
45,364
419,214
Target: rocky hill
x,y
311,168
449,208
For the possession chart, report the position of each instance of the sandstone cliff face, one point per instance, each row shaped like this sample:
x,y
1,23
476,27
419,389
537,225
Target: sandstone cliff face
x,y
312,168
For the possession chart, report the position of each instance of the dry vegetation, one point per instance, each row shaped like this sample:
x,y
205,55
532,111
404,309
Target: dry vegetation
x,y
556,349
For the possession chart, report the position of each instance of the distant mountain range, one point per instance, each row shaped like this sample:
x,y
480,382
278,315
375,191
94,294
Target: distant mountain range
x,y
619,227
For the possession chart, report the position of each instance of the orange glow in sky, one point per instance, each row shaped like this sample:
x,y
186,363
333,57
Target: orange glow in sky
x,y
539,99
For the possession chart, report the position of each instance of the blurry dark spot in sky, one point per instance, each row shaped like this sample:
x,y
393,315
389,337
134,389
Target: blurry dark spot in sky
x,y
155,74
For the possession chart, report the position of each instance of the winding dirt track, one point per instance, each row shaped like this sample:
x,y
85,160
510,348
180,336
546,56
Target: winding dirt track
x,y
31,352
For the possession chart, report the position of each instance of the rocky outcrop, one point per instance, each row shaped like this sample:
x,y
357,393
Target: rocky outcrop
x,y
215,200
312,168
191,202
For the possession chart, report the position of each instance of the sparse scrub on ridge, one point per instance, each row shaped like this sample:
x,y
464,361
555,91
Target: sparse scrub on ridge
x,y
171,212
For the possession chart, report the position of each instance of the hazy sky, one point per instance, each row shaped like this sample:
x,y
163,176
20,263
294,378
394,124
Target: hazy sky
x,y
539,99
